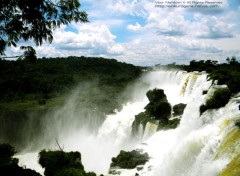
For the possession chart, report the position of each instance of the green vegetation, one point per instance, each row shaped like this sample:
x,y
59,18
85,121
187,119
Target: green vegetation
x,y
25,84
226,73
29,90
219,99
60,163
178,109
158,109
129,160
27,19
9,165
55,163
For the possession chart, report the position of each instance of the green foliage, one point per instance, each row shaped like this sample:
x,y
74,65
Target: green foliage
x,y
202,65
71,172
27,19
9,165
29,54
42,102
129,160
158,106
160,110
178,109
156,95
173,123
60,163
219,99
6,154
228,74
157,109
91,174
22,81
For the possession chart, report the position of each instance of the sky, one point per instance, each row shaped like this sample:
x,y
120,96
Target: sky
x,y
141,33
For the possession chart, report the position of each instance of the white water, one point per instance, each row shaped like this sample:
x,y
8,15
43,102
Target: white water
x,y
185,151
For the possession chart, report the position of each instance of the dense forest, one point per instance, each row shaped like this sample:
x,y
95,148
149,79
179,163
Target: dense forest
x,y
30,85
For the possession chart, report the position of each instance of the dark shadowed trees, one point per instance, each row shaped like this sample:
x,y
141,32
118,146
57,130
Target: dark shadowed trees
x,y
35,20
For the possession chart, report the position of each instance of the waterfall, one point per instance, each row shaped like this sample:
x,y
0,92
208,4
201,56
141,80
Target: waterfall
x,y
188,150
150,129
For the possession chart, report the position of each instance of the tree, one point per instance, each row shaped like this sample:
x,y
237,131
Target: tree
x,y
228,60
29,54
9,165
233,61
28,19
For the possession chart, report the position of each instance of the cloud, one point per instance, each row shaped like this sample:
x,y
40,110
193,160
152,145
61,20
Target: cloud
x,y
135,27
170,33
134,31
88,40
214,7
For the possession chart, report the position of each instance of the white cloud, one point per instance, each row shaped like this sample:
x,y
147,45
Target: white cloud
x,y
89,40
135,27
152,35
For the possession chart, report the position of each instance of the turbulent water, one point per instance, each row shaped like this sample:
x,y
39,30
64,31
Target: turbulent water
x,y
188,150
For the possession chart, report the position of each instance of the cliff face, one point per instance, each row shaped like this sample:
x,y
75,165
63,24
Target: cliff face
x,y
230,148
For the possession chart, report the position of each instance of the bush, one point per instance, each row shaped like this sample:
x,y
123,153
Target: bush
x,y
6,154
160,110
71,172
234,84
9,165
219,99
158,107
57,163
41,101
156,95
129,160
178,109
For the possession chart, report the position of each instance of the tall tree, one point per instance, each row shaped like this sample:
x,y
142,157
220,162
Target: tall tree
x,y
29,54
35,19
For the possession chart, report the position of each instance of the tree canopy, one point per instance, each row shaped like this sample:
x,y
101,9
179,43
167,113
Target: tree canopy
x,y
35,20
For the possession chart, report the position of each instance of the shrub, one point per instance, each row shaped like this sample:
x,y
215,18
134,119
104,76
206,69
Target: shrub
x,y
6,154
129,160
219,99
58,163
160,110
9,165
156,95
234,84
158,107
178,109
41,101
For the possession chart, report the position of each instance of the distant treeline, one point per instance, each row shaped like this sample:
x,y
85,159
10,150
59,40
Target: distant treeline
x,y
226,73
50,77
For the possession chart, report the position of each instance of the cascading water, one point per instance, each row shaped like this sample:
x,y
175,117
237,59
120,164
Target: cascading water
x,y
188,150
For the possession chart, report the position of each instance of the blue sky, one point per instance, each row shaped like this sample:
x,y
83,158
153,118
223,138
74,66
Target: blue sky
x,y
137,32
